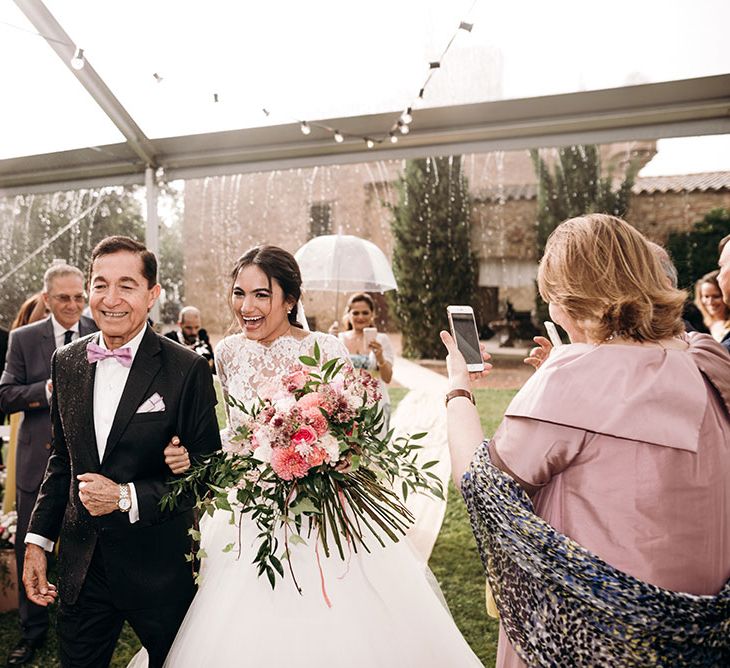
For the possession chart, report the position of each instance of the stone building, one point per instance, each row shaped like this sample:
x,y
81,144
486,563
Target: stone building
x,y
224,216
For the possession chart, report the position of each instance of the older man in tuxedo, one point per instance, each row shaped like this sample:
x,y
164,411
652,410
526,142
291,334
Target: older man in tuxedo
x,y
25,386
119,398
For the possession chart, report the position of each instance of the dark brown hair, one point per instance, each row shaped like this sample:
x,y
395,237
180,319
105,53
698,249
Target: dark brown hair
x,y
357,297
118,244
278,265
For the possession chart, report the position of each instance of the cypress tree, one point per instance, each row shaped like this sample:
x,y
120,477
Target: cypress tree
x,y
432,258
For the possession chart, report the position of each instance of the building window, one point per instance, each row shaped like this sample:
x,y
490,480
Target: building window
x,y
320,219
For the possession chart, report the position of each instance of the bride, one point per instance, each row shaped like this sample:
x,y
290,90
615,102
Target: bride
x,y
375,609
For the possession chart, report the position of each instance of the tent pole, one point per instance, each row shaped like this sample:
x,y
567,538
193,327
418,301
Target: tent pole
x,y
152,229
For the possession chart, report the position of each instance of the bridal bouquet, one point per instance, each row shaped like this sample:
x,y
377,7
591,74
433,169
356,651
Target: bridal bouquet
x,y
309,458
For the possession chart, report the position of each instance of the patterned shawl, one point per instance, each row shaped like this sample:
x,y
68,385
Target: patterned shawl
x,y
561,605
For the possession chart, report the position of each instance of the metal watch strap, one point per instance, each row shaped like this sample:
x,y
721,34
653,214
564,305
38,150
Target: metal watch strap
x,y
125,502
459,393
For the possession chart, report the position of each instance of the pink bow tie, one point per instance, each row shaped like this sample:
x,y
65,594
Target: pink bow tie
x,y
94,353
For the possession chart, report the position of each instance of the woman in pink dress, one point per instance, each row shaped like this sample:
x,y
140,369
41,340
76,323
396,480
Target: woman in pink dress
x,y
621,439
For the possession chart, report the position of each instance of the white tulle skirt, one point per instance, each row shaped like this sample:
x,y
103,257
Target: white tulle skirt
x,y
383,611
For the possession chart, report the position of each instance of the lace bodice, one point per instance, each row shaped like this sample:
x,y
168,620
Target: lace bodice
x,y
246,367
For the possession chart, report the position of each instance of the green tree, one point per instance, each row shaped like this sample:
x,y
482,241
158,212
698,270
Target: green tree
x,y
29,223
695,252
576,184
432,258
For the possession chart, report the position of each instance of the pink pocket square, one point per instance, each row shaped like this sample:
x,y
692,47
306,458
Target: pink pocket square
x,y
155,404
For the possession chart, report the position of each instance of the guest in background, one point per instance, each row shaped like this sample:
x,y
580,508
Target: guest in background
x,y
622,441
715,313
723,276
191,334
25,386
368,348
31,310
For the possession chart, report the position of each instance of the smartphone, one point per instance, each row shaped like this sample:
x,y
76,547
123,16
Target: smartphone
x,y
464,330
552,332
369,334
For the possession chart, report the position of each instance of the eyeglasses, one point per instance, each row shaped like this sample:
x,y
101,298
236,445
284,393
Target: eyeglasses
x,y
67,299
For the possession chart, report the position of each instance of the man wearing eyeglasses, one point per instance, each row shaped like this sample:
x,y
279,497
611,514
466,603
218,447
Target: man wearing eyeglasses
x,y
25,386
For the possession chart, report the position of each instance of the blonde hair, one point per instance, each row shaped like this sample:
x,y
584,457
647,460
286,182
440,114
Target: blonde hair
x,y
710,278
604,275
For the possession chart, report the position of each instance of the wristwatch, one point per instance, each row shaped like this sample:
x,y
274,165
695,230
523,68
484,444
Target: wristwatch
x,y
125,502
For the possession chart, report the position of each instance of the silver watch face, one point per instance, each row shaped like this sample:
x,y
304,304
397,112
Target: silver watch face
x,y
125,504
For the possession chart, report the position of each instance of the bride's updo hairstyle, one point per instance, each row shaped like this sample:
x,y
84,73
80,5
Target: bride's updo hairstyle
x,y
278,265
603,274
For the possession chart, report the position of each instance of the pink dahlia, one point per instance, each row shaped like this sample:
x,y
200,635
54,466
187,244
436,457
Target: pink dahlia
x,y
288,463
317,457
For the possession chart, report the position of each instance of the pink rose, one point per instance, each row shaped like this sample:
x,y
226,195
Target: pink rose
x,y
304,436
308,401
288,463
295,380
315,419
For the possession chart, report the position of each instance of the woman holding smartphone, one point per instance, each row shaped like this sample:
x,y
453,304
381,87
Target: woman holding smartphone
x,y
602,503
368,348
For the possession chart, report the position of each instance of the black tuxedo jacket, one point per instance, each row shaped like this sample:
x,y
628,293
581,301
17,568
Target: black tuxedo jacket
x,y
23,388
145,561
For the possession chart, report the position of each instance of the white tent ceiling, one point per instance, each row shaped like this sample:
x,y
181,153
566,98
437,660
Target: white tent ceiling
x,y
530,73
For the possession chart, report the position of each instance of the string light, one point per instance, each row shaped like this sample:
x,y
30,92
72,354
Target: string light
x,y
402,125
78,61
215,97
157,77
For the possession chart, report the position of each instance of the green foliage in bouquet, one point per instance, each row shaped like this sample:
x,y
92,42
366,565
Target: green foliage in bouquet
x,y
310,460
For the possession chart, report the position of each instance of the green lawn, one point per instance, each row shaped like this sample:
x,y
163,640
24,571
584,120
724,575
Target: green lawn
x,y
454,562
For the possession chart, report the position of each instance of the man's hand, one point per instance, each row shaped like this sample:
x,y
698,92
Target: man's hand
x,y
539,354
99,495
39,590
176,456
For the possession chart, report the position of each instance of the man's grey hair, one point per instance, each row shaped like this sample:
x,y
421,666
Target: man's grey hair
x,y
57,270
661,254
188,310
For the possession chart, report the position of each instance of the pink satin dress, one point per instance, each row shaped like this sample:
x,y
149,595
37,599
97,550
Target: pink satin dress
x,y
629,447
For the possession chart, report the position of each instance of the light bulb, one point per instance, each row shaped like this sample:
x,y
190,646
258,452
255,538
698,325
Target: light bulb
x,y
393,138
338,137
406,117
304,127
77,62
403,127
370,143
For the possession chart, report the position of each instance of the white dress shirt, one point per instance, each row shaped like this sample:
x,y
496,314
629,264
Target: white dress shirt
x,y
109,382
59,331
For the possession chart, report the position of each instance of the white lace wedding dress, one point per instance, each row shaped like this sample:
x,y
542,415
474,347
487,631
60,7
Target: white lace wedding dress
x,y
384,610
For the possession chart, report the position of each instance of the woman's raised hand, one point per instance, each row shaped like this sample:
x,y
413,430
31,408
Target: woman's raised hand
x,y
540,353
176,456
459,375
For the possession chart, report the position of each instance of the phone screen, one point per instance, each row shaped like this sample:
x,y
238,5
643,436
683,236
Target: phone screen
x,y
465,333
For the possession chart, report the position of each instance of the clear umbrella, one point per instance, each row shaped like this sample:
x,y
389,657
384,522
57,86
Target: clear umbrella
x,y
344,263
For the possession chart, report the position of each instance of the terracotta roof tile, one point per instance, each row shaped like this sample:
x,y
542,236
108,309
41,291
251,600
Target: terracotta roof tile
x,y
646,184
